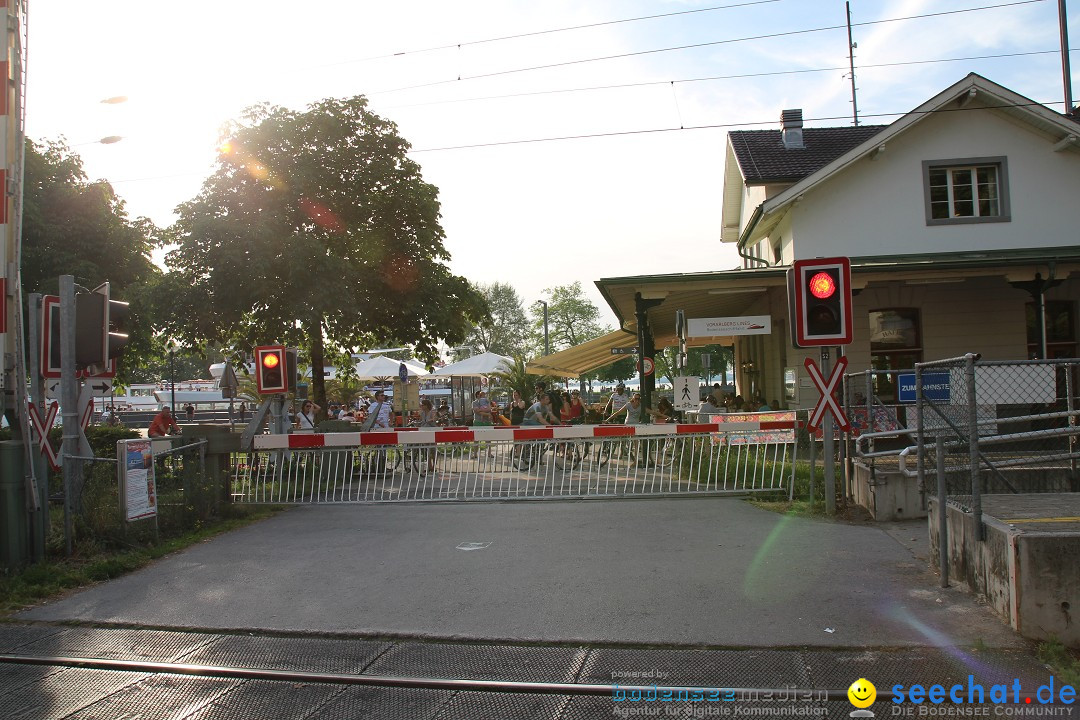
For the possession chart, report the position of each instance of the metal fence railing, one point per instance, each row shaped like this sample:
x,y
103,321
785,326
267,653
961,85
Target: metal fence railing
x,y
518,463
1001,427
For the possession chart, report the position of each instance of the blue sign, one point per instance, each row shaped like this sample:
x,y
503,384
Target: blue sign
x,y
935,387
403,373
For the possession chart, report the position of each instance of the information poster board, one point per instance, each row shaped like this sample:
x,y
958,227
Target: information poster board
x,y
137,488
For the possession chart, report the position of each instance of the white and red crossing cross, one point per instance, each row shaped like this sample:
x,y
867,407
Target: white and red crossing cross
x,y
42,428
827,403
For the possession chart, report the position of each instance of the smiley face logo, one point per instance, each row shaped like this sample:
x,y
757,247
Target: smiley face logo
x,y
862,693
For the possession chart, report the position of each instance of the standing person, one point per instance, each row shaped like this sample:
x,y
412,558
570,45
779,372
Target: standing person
x,y
429,418
618,400
243,411
564,410
189,411
631,411
577,408
481,408
517,409
305,419
379,412
163,424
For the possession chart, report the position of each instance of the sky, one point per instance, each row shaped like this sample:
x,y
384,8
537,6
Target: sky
x,y
569,140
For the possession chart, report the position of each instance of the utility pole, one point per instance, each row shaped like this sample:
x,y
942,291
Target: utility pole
x,y
851,65
547,344
1066,73
69,399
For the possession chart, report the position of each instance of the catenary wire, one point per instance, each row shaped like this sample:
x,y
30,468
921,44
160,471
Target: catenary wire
x,y
620,86
534,33
715,126
639,53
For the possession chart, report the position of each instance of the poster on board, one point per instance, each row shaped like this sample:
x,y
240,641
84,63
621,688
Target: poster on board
x,y
137,479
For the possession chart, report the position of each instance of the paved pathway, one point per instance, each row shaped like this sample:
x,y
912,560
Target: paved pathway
x,y
703,571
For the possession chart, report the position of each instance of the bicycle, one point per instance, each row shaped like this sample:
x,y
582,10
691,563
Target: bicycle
x,y
658,452
565,456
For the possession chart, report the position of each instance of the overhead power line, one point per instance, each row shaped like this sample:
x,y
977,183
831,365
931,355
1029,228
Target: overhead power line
x,y
715,126
740,76
619,56
550,31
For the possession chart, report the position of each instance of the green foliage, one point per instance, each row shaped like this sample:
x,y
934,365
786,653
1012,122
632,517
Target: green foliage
x,y
506,330
521,380
720,361
622,369
316,230
1065,662
572,318
344,389
75,227
103,438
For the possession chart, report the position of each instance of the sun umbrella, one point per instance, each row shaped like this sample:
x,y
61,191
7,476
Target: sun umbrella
x,y
381,367
487,363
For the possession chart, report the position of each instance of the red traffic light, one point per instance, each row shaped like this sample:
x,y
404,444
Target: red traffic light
x,y
819,302
270,370
822,285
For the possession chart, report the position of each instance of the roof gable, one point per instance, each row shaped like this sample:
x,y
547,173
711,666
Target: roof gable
x,y
992,96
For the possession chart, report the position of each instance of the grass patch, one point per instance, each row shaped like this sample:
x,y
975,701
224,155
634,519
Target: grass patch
x,y
46,580
798,508
1065,662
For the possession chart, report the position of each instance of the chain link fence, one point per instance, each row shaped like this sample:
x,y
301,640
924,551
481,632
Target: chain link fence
x,y
998,427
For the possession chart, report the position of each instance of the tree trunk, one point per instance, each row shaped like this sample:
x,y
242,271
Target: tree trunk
x,y
318,361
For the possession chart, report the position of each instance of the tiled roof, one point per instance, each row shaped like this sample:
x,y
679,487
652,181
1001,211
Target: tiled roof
x,y
764,159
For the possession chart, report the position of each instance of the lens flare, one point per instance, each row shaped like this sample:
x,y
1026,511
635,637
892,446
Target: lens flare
x,y
400,273
321,215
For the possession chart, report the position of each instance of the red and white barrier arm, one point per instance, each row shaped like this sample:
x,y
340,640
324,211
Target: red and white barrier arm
x,y
432,436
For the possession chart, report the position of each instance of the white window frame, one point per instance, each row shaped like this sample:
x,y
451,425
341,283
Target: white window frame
x,y
1001,167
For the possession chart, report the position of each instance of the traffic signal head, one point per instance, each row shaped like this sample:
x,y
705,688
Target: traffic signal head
x,y
99,324
819,301
270,369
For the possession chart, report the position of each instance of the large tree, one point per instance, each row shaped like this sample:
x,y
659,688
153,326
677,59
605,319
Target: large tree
x,y
506,330
316,229
572,318
72,226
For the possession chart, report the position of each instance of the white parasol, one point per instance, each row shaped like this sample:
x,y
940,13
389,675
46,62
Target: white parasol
x,y
487,363
383,368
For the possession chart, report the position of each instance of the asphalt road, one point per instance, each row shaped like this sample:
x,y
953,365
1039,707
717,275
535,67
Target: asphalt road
x,y
702,571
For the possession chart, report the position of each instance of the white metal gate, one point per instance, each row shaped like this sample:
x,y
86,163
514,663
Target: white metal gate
x,y
518,463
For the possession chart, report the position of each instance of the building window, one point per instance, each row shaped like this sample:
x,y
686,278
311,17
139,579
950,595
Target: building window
x,y
972,190
1060,330
895,344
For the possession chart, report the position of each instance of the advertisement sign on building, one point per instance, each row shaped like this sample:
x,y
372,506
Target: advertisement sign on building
x,y
723,326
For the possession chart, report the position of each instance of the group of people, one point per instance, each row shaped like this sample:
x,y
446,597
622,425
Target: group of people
x,y
547,407
630,408
718,402
553,407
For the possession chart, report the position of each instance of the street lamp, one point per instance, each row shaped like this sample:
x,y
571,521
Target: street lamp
x,y
172,375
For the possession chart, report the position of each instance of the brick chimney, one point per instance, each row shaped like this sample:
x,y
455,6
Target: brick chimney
x,y
791,128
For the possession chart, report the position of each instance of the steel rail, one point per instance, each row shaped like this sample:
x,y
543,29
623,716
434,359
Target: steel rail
x,y
680,693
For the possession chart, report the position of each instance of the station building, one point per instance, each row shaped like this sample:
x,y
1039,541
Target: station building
x,y
961,220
